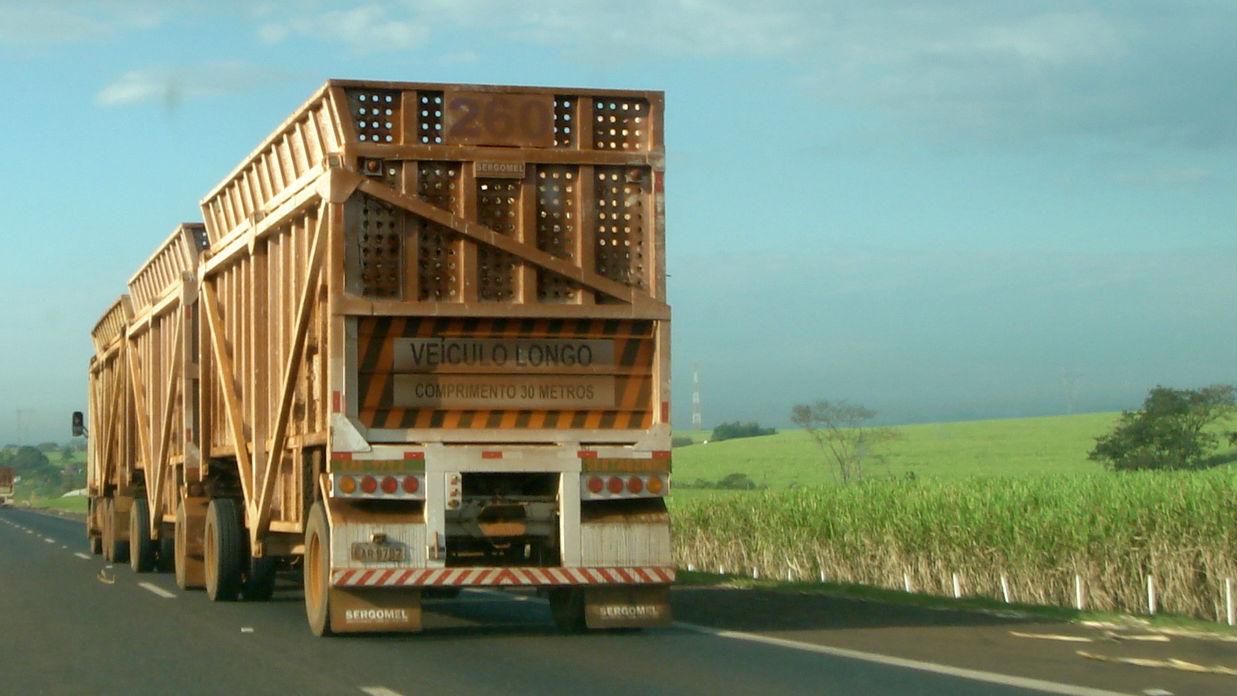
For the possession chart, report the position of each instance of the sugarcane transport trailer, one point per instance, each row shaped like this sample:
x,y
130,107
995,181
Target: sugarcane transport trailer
x,y
421,343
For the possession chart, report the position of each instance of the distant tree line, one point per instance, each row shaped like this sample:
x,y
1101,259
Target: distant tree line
x,y
736,430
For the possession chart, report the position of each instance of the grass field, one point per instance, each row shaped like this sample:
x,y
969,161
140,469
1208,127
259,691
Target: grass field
x,y
1018,447
1017,498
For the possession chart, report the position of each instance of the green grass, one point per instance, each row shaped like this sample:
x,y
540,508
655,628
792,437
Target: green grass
x,y
1018,447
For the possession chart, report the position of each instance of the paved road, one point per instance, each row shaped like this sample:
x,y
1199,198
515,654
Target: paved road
x,y
71,624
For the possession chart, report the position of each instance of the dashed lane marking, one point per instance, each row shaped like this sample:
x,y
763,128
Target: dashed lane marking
x,y
959,672
157,590
49,540
82,556
379,691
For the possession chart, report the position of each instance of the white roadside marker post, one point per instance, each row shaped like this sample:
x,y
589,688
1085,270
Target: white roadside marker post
x,y
1078,603
1005,588
1228,601
957,587
906,582
1151,595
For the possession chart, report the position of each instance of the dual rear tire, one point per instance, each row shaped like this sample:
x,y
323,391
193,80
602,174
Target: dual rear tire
x,y
142,549
231,573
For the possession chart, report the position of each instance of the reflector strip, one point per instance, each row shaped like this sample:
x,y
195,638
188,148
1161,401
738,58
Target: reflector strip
x,y
341,456
491,454
500,577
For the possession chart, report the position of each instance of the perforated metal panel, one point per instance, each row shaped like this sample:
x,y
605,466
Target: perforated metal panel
x,y
438,183
557,228
438,263
619,216
375,114
429,118
620,124
380,249
498,208
564,121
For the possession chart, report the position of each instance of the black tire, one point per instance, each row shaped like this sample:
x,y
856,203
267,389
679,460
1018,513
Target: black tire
x,y
106,540
141,546
180,546
222,546
567,608
96,544
166,561
259,582
318,571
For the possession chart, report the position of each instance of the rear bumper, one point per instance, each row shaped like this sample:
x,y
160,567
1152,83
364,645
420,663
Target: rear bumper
x,y
501,577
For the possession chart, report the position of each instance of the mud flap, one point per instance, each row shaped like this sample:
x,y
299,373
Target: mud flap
x,y
194,555
368,611
627,607
121,505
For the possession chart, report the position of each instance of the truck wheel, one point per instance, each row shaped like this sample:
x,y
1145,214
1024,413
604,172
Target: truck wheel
x,y
318,571
167,553
116,550
567,608
259,582
141,546
96,544
106,541
222,550
181,546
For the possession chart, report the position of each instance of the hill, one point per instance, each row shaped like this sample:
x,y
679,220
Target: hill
x,y
1008,447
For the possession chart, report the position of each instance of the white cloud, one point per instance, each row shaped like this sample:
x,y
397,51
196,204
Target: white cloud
x,y
39,25
174,84
366,29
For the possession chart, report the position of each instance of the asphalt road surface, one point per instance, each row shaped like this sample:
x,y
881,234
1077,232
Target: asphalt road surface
x,y
72,624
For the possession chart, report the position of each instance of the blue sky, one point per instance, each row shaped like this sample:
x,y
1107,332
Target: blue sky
x,y
941,210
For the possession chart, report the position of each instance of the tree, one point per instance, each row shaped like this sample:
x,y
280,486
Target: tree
x,y
1170,431
843,432
736,430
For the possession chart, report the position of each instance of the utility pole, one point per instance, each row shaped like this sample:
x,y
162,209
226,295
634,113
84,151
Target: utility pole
x,y
697,422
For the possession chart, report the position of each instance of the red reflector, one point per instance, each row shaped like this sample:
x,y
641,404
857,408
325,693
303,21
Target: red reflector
x,y
369,484
615,485
587,454
389,485
491,454
661,454
411,484
595,484
341,456
414,455
635,485
335,405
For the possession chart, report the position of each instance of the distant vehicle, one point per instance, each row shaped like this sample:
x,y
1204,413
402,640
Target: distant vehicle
x,y
420,343
6,485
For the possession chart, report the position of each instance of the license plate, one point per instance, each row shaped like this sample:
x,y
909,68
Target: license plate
x,y
369,552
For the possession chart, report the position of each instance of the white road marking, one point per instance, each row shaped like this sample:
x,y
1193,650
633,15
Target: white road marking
x,y
972,674
49,540
246,629
157,590
379,691
63,546
82,556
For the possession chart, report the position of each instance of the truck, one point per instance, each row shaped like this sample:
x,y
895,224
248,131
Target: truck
x,y
6,485
420,343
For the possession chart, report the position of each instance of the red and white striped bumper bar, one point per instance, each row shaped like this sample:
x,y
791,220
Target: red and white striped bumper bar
x,y
499,577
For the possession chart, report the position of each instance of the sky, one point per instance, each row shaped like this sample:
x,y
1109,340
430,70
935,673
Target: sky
x,y
948,210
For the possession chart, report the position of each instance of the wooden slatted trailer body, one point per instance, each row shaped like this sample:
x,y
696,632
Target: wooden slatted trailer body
x,y
112,469
434,351
161,355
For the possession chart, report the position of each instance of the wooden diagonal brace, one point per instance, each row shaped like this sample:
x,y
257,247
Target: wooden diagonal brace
x,y
303,314
225,375
160,465
138,388
111,436
484,235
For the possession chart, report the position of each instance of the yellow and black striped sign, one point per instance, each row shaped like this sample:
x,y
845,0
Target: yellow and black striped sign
x,y
631,371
